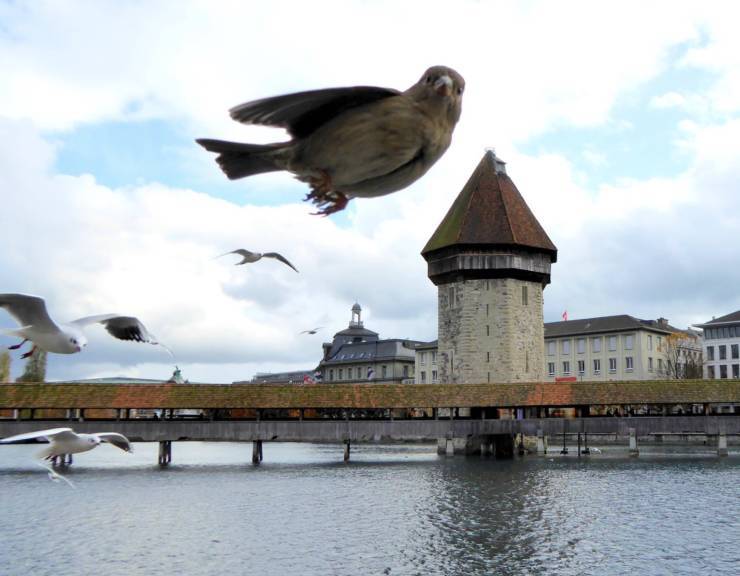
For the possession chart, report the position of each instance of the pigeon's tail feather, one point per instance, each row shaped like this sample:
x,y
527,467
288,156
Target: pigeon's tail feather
x,y
239,160
18,332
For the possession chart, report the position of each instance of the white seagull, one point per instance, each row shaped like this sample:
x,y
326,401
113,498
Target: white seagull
x,y
66,441
36,326
249,257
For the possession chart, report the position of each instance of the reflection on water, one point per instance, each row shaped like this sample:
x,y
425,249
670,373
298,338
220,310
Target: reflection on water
x,y
392,510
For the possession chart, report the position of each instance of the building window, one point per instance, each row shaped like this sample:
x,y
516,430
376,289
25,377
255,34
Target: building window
x,y
551,348
612,343
650,364
736,370
434,357
486,309
581,367
488,330
405,371
451,296
566,367
565,346
660,365
628,364
525,298
650,342
734,351
488,356
434,376
581,345
710,352
710,372
596,344
723,371
341,375
331,374
422,358
597,366
612,364
722,352
383,371
423,378
628,341
551,368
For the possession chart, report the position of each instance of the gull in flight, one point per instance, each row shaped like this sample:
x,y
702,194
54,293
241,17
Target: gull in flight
x,y
36,326
66,441
249,257
312,331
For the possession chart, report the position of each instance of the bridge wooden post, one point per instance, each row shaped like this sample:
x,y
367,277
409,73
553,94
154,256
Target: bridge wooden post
x,y
541,448
634,451
256,451
346,450
165,452
722,444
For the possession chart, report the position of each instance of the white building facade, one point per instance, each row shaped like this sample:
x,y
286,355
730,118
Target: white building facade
x,y
722,347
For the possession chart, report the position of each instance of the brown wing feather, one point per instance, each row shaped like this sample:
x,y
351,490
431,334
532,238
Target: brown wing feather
x,y
303,112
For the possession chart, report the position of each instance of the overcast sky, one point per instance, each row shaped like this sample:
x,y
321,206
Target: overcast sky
x,y
619,123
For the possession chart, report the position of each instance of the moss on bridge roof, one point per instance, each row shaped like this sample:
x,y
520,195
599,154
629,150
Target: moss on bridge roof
x,y
69,395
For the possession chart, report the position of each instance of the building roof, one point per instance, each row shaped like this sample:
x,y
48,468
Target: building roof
x,y
427,345
354,352
730,318
367,395
490,211
620,323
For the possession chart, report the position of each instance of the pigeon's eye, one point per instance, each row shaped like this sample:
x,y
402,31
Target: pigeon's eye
x,y
459,91
429,80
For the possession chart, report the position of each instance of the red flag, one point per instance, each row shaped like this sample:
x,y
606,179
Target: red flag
x,y
565,315
307,379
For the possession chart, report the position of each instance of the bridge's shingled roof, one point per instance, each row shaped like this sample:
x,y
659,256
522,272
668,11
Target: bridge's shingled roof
x,y
367,395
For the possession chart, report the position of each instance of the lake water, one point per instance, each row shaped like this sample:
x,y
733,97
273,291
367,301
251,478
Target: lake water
x,y
394,510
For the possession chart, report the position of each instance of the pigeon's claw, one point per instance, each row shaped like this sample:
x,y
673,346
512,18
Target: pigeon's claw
x,y
29,353
323,194
16,346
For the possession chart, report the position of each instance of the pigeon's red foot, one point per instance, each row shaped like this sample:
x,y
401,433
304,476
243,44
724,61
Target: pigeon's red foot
x,y
323,195
29,353
16,346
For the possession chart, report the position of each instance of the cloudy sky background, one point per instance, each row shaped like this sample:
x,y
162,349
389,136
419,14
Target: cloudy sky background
x,y
619,124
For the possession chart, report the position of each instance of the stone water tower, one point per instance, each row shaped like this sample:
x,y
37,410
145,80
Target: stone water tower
x,y
490,260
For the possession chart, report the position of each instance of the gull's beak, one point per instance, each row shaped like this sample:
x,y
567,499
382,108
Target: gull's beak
x,y
443,85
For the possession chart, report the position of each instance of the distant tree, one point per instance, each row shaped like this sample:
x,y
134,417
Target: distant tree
x,y
35,370
682,357
5,366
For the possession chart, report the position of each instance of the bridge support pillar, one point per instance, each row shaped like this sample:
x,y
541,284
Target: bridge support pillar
x,y
256,451
634,451
450,447
485,446
165,452
722,444
541,446
346,450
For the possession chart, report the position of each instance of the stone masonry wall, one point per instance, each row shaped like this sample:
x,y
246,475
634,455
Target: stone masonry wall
x,y
487,334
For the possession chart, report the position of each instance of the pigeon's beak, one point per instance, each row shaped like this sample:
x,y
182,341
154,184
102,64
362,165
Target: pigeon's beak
x,y
443,85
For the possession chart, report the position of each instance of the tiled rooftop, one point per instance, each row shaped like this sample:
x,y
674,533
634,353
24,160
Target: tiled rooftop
x,y
366,395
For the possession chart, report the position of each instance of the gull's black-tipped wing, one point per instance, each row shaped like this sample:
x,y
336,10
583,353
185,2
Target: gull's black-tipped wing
x,y
302,113
279,257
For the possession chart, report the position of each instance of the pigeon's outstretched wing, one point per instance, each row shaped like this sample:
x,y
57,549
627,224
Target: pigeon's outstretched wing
x,y
302,113
56,433
131,328
279,257
122,327
28,311
239,251
312,331
118,440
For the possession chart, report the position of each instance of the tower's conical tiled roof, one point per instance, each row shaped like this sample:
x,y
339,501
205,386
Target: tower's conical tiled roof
x,y
490,211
